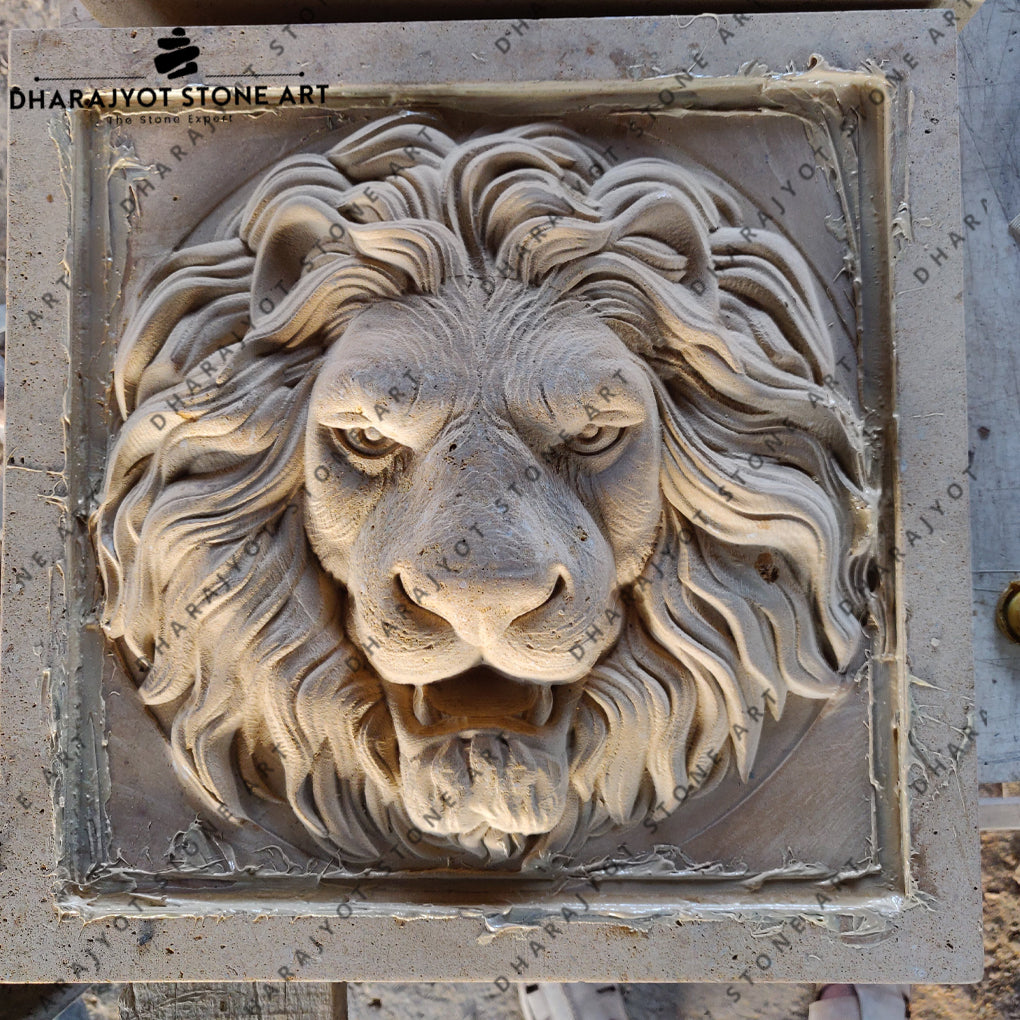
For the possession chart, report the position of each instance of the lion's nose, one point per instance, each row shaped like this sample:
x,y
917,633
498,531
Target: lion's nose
x,y
482,606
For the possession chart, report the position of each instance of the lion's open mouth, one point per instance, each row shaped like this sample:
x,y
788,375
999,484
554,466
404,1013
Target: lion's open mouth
x,y
483,749
481,698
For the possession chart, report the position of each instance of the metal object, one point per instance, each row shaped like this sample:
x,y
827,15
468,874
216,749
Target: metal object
x,y
1007,612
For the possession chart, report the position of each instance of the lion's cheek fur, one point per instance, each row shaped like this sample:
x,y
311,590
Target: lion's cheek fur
x,y
630,502
337,503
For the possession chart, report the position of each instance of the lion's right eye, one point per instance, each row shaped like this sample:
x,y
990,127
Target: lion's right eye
x,y
366,442
595,439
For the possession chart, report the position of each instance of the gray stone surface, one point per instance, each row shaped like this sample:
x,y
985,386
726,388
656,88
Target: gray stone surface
x,y
914,945
239,1001
23,14
990,165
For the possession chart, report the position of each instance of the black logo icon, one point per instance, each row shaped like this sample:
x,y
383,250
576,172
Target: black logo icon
x,y
180,52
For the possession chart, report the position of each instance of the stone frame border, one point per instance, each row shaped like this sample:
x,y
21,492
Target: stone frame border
x,y
936,941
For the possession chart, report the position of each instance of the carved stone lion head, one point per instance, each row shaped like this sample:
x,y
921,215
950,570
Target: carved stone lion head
x,y
473,497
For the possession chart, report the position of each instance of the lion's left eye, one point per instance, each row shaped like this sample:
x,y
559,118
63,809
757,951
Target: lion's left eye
x,y
595,439
366,442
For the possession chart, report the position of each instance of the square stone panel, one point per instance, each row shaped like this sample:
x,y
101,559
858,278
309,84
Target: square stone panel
x,y
477,513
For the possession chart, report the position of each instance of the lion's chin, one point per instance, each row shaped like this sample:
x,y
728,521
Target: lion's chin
x,y
483,752
512,784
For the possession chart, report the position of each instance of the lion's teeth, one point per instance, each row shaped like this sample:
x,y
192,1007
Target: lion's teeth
x,y
422,710
543,706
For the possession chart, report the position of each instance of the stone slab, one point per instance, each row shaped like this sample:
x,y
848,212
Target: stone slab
x,y
77,798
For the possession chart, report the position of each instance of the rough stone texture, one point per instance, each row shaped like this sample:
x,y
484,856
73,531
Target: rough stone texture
x,y
997,996
255,1001
21,14
235,945
990,167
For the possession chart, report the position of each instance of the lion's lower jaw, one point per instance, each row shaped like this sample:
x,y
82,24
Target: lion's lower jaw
x,y
474,790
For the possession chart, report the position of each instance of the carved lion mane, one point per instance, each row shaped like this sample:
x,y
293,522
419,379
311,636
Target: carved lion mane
x,y
260,606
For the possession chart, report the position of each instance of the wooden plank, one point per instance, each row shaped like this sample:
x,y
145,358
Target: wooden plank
x,y
990,165
251,1000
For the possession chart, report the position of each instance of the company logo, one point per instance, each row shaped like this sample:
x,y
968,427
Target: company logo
x,y
180,56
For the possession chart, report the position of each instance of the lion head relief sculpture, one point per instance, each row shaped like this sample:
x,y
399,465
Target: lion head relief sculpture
x,y
490,493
